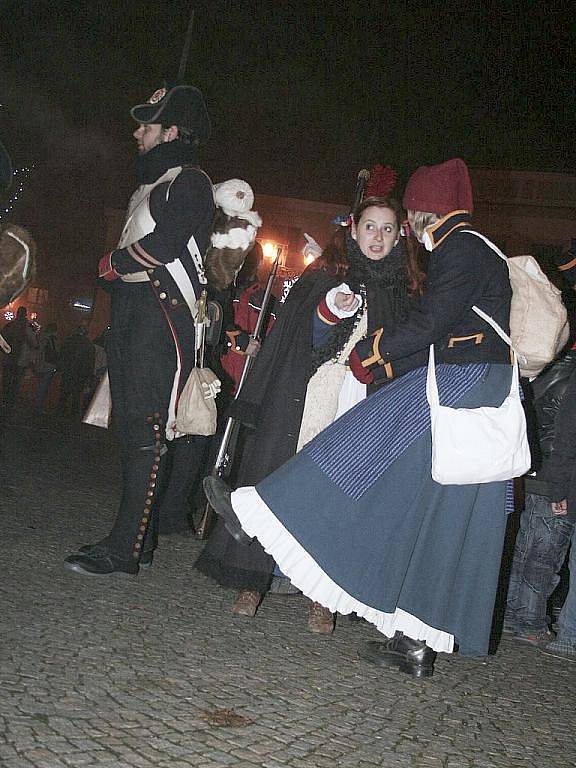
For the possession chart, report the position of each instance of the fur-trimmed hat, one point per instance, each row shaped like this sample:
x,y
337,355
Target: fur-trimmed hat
x,y
5,169
234,233
439,188
181,105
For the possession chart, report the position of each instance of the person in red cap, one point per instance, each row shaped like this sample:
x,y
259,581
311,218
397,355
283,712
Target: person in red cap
x,y
355,519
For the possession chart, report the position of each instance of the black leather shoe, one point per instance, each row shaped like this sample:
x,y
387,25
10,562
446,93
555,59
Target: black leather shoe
x,y
218,494
411,656
100,565
99,550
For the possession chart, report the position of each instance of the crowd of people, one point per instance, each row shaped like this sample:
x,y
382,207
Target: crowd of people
x,y
36,353
331,493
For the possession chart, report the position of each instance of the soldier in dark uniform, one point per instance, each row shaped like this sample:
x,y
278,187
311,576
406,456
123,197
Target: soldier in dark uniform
x,y
156,276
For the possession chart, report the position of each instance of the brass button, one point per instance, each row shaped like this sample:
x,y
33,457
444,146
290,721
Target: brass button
x,y
149,271
156,283
174,302
162,295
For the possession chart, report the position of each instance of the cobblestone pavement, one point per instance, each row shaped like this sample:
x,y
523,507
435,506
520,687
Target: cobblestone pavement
x,y
127,671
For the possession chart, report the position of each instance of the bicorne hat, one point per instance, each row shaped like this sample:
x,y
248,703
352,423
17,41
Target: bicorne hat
x,y
439,188
180,105
5,169
566,263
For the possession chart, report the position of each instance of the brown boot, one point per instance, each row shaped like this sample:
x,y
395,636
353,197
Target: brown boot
x,y
246,603
320,619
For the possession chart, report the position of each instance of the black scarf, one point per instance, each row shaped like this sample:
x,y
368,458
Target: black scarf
x,y
383,283
151,165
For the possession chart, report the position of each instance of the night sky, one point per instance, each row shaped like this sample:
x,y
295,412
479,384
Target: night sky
x,y
302,95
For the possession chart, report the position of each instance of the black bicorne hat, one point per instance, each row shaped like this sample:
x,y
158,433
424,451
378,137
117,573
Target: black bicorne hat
x,y
5,169
566,263
181,105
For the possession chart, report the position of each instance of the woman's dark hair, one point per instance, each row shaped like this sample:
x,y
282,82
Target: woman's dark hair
x,y
334,258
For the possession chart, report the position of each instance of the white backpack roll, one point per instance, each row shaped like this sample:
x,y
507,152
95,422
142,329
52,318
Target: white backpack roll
x,y
539,326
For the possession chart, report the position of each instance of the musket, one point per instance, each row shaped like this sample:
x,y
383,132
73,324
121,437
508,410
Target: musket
x,y
186,49
223,458
361,181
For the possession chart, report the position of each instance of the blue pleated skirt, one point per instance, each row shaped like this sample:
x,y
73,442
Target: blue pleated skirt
x,y
356,521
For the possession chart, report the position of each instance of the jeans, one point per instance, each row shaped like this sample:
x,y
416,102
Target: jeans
x,y
539,552
567,619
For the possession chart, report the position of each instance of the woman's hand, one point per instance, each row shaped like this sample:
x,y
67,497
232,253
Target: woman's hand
x,y
347,302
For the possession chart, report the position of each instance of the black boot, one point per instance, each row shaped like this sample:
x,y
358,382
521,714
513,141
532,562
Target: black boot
x,y
411,656
100,563
218,494
186,462
100,549
134,534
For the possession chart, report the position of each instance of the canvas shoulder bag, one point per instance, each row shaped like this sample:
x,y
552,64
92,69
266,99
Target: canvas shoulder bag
x,y
478,445
196,412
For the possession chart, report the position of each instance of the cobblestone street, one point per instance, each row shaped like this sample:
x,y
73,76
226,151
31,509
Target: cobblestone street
x,y
154,671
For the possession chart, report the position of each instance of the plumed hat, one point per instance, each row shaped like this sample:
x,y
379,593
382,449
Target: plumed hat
x,y
5,169
439,188
181,105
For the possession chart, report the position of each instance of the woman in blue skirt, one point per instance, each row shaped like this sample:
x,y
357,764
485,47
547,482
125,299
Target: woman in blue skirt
x,y
355,519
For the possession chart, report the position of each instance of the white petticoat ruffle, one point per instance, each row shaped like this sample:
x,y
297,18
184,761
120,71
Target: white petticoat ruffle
x,y
258,520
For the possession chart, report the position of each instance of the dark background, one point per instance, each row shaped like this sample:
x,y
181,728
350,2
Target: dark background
x,y
302,95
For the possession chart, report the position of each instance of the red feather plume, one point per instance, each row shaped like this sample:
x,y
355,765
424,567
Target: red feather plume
x,y
381,182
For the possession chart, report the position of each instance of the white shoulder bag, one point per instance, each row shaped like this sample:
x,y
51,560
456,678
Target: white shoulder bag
x,y
478,445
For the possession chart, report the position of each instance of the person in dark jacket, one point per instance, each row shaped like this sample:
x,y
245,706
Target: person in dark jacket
x,y
355,519
544,534
21,336
76,364
562,480
156,276
48,355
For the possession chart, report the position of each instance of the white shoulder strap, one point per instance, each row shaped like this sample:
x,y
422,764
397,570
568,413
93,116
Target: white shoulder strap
x,y
488,242
482,314
494,325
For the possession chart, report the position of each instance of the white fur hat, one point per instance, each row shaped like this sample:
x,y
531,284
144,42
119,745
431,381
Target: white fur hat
x,y
236,198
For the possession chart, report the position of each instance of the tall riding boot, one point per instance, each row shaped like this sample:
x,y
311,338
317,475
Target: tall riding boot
x,y
186,455
135,531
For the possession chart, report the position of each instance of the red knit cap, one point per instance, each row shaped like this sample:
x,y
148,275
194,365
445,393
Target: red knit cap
x,y
439,188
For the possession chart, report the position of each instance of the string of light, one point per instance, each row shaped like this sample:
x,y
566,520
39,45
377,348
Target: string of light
x,y
21,176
